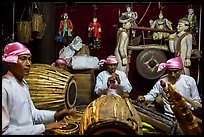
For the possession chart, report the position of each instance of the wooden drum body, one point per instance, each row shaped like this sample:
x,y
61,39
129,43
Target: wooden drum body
x,y
51,88
110,114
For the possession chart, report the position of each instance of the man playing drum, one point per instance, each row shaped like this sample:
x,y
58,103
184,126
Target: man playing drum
x,y
112,80
20,117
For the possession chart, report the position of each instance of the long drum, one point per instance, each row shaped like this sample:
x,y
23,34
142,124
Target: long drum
x,y
51,88
110,114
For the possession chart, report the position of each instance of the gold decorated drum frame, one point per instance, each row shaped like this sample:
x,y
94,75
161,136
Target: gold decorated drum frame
x,y
51,88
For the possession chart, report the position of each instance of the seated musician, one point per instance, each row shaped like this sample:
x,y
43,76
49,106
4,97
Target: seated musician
x,y
184,84
112,80
19,114
60,63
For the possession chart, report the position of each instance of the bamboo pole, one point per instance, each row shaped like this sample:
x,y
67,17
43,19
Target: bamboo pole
x,y
152,29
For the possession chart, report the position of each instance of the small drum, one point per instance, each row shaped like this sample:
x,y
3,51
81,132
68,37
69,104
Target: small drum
x,y
70,129
110,114
51,88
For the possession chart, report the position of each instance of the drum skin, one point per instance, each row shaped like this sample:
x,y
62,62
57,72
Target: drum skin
x,y
110,114
51,88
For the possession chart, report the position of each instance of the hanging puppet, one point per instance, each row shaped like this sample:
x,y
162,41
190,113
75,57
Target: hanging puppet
x,y
65,29
161,23
94,31
192,18
133,16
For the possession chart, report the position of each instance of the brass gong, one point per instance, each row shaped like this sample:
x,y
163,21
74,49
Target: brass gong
x,y
147,63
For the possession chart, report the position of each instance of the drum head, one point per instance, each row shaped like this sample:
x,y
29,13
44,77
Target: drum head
x,y
71,94
110,128
147,63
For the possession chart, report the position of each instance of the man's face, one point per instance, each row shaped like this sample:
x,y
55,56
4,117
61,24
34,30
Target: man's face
x,y
22,67
62,66
174,74
111,68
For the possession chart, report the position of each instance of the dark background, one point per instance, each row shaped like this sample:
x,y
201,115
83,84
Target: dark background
x,y
81,13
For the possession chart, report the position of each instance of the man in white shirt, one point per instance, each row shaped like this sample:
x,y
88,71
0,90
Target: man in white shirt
x,y
184,84
19,115
112,80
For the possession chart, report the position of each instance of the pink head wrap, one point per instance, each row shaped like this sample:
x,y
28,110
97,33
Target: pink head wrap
x,y
60,61
13,50
110,60
171,63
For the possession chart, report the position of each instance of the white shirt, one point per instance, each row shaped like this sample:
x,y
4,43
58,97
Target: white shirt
x,y
185,85
102,79
24,118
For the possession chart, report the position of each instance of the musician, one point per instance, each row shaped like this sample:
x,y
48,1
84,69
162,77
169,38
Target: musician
x,y
60,63
112,80
20,117
184,84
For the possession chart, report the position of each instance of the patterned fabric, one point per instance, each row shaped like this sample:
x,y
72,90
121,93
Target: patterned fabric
x,y
13,50
171,63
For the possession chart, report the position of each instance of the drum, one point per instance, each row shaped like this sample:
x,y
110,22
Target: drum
x,y
75,118
70,129
24,31
51,88
110,114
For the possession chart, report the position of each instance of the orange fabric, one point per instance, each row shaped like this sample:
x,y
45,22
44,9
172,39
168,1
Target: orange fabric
x,y
69,25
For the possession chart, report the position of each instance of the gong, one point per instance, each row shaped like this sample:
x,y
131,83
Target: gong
x,y
147,63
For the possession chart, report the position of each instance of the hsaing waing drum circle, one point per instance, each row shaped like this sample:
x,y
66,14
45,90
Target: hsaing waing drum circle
x,y
110,115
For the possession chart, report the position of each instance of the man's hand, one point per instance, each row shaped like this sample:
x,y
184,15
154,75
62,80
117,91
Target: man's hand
x,y
59,115
111,80
55,125
187,63
117,78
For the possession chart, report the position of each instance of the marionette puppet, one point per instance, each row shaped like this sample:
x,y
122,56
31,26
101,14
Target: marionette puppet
x,y
94,33
161,23
192,18
65,30
129,13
